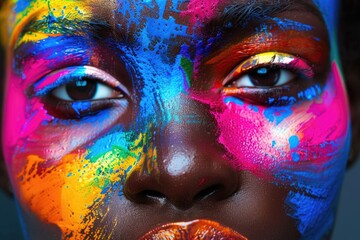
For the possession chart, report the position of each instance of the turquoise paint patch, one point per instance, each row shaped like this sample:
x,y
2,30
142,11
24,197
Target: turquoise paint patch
x,y
277,114
273,143
254,108
294,141
110,143
233,100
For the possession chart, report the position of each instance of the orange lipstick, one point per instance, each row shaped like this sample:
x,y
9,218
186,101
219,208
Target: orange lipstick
x,y
194,230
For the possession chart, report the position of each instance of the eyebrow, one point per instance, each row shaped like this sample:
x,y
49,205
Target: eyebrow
x,y
239,15
95,28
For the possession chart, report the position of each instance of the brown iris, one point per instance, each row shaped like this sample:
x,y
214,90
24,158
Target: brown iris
x,y
84,89
264,76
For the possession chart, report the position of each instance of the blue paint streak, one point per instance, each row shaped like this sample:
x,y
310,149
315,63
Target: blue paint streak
x,y
105,144
287,24
294,141
310,93
313,204
254,108
56,50
277,114
295,157
329,9
233,100
81,106
22,5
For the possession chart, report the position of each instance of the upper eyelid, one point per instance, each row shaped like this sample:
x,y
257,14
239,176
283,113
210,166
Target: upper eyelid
x,y
66,75
270,58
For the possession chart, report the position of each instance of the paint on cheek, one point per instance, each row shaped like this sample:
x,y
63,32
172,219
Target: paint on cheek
x,y
294,143
277,115
273,139
73,194
316,184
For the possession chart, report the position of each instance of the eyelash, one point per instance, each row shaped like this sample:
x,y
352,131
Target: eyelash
x,y
296,89
54,90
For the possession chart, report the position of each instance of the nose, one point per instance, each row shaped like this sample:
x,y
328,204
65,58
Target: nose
x,y
191,167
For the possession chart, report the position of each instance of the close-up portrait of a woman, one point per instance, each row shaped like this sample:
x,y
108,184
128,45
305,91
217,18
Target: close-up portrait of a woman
x,y
178,119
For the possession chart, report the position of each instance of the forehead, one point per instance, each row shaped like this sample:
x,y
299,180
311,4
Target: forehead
x,y
171,18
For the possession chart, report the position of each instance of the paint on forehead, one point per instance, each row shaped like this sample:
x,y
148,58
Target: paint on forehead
x,y
330,10
46,12
201,11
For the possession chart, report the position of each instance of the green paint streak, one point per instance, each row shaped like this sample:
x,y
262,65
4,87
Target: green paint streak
x,y
188,68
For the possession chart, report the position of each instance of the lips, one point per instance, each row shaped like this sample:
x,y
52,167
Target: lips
x,y
194,230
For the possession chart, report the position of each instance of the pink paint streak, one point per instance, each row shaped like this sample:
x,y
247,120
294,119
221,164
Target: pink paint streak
x,y
200,11
262,146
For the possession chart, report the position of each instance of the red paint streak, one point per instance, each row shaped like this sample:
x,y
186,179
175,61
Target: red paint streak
x,y
202,181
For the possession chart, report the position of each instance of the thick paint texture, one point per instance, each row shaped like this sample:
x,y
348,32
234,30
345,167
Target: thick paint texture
x,y
167,77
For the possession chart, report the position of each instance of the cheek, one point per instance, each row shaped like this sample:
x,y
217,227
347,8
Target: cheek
x,y
303,137
72,192
56,174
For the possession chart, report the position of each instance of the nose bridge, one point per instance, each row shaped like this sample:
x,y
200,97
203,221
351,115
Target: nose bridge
x,y
190,125
190,164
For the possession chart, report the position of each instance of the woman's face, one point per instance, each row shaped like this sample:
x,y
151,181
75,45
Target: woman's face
x,y
169,118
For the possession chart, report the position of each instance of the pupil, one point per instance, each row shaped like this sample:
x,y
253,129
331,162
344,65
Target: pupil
x,y
265,76
81,89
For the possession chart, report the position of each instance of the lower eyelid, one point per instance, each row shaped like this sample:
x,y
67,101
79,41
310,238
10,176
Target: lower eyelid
x,y
80,109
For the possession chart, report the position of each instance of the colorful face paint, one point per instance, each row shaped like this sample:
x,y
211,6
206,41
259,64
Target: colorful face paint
x,y
125,118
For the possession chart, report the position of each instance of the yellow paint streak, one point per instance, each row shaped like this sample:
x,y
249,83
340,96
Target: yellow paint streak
x,y
14,23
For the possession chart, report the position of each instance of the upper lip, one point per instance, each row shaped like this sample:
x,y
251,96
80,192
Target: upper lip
x,y
197,229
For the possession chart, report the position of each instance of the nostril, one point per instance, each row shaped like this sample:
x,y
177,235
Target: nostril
x,y
208,192
152,195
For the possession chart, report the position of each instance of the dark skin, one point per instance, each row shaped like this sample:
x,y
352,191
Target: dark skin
x,y
203,205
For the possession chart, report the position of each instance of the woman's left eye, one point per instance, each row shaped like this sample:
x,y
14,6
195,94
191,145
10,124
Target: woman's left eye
x,y
272,78
264,77
85,90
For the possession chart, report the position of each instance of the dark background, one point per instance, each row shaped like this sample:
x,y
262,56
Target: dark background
x,y
348,221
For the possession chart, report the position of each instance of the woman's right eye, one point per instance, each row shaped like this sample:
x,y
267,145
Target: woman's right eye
x,y
85,90
77,92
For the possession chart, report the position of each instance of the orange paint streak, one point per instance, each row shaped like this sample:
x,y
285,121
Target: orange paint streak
x,y
70,193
